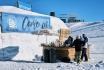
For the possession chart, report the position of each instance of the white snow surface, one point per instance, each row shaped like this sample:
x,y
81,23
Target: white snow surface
x,y
29,45
8,65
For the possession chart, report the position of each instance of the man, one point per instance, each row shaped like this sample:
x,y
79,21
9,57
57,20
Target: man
x,y
84,49
78,43
69,41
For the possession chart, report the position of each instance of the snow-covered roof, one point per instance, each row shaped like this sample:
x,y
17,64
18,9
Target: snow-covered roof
x,y
12,9
56,22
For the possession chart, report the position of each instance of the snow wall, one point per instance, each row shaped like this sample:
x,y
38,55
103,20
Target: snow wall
x,y
16,41
29,46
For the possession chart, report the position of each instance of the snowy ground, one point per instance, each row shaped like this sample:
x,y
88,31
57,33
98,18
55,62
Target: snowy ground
x,y
7,65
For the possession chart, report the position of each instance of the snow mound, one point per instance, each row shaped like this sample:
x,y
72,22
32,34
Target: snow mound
x,y
29,45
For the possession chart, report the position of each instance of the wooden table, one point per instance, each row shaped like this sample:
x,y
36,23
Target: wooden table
x,y
61,52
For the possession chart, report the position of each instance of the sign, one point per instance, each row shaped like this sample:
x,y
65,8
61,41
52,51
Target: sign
x,y
24,23
64,33
23,5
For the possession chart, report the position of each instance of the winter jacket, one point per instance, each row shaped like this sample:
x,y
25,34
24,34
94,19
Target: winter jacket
x,y
69,41
78,43
85,39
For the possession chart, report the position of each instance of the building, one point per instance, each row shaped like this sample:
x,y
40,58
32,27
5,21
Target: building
x,y
16,30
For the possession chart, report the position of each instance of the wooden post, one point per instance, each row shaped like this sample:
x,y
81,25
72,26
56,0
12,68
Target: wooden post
x,y
64,33
88,51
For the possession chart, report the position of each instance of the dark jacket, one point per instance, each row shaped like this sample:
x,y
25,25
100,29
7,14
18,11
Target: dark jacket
x,y
85,39
69,41
78,43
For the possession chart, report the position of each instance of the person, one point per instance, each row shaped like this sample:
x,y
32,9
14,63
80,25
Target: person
x,y
78,43
69,41
84,49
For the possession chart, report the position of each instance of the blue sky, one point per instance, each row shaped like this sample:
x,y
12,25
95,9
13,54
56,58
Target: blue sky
x,y
89,10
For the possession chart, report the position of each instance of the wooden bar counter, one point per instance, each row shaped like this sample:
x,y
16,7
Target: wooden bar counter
x,y
62,52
